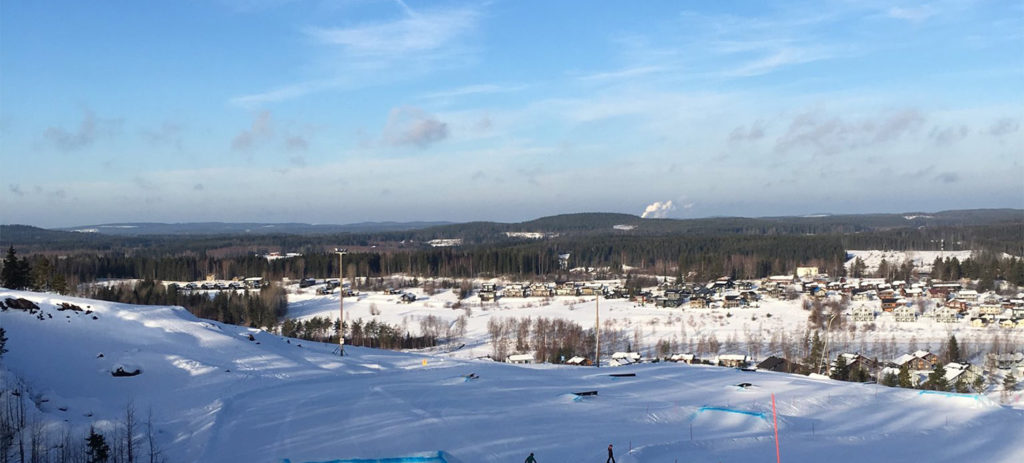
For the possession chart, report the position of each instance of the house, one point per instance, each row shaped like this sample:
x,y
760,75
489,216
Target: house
x,y
959,306
542,289
919,360
857,361
904,314
682,358
254,282
732,360
488,292
967,295
779,364
980,322
515,290
965,372
408,298
890,303
806,272
731,300
699,303
863,313
579,361
990,309
520,358
566,289
625,358
946,315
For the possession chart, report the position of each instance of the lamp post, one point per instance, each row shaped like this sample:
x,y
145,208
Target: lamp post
x,y
597,331
824,352
341,300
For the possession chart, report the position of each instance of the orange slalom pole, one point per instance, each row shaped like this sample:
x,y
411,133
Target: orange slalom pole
x,y
775,422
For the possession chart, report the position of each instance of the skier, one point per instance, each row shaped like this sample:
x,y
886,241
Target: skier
x,y
611,458
530,459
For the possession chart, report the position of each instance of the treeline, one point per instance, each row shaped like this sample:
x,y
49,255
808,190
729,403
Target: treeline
x,y
249,308
695,258
373,333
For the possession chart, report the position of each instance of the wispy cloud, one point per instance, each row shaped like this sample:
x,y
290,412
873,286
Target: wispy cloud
x,y
743,133
412,126
779,58
261,130
827,134
360,55
913,14
168,134
416,33
89,129
1004,126
474,90
623,73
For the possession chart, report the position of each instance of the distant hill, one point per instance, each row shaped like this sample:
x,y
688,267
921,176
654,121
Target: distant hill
x,y
224,228
1004,226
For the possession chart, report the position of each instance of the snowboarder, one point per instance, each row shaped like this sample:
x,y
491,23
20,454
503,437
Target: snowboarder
x,y
530,459
611,458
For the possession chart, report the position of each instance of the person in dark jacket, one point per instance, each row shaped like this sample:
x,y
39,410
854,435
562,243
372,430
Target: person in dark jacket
x,y
611,458
530,459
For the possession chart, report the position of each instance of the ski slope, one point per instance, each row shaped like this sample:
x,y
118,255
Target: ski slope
x,y
217,396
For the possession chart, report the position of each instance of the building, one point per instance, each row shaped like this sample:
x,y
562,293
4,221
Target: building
x,y
520,358
863,313
904,314
732,360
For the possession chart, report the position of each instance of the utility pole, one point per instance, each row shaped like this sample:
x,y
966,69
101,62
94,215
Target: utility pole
x,y
824,352
341,301
597,331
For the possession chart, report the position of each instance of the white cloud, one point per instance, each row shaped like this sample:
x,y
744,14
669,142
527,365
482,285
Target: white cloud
x,y
412,126
261,130
916,15
418,32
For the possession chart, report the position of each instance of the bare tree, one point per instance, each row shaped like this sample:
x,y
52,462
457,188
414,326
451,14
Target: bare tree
x,y
130,424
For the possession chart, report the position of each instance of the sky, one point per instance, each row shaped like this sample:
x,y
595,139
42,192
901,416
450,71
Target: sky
x,y
353,111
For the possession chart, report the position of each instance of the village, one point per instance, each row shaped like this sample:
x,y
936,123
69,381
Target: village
x,y
864,301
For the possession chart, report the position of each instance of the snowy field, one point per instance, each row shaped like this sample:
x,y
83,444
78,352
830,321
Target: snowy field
x,y
217,396
922,260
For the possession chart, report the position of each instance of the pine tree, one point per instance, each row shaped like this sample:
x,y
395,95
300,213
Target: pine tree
x,y
890,380
903,379
97,450
841,372
952,350
17,273
937,378
3,341
1009,382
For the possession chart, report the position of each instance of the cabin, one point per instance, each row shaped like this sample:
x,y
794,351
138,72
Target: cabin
x,y
520,359
857,361
732,360
919,360
682,358
408,298
579,361
625,358
863,313
962,372
779,364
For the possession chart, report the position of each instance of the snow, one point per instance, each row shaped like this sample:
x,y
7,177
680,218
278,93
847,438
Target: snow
x,y
923,260
218,397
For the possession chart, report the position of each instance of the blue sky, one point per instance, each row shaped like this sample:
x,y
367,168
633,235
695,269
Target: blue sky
x,y
352,111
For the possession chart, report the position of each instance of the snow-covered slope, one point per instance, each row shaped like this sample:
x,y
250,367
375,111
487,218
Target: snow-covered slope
x,y
217,396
